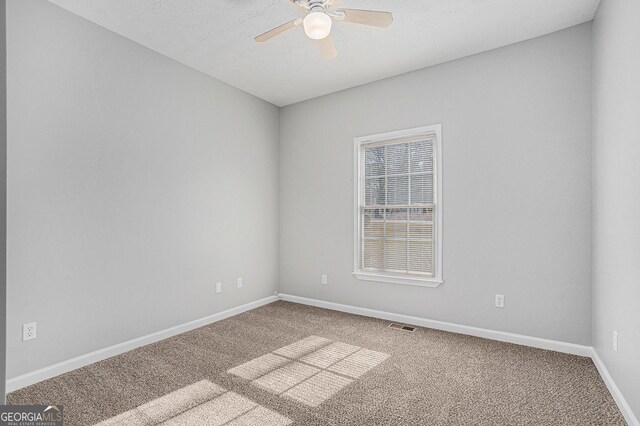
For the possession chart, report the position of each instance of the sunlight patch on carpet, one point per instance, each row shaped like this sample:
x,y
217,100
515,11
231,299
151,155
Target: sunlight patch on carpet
x,y
318,388
202,403
259,367
359,363
285,377
311,370
302,347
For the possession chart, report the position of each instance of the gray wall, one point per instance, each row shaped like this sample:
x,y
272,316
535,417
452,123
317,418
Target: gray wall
x,y
516,198
134,184
3,196
616,201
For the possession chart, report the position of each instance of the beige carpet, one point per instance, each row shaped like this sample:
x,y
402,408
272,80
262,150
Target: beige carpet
x,y
288,364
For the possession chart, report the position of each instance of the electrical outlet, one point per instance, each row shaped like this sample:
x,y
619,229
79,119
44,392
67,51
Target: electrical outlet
x,y
219,287
28,331
499,300
615,341
324,279
240,282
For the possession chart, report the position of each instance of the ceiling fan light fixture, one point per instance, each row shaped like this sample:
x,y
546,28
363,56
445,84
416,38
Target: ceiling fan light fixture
x,y
317,25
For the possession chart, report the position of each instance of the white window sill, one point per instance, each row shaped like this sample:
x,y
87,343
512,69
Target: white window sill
x,y
395,279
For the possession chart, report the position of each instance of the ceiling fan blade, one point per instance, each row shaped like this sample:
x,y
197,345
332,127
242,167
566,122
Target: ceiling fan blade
x,y
327,48
277,31
367,17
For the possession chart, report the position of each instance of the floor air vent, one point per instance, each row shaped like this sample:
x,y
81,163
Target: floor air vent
x,y
402,327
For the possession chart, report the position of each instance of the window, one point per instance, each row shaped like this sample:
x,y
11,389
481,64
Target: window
x,y
398,235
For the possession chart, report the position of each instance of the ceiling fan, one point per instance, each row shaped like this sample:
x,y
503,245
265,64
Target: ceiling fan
x,y
317,23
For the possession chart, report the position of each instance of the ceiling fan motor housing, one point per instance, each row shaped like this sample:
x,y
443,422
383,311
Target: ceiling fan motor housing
x,y
316,6
318,22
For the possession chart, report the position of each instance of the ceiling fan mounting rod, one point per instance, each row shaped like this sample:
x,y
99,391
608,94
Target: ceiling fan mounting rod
x,y
313,4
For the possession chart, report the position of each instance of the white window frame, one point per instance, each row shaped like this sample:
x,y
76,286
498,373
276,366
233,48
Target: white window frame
x,y
398,278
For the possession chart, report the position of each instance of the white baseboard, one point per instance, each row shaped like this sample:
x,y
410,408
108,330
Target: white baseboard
x,y
502,336
536,342
631,419
27,379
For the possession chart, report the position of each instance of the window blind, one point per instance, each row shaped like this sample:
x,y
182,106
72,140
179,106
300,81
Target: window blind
x,y
397,206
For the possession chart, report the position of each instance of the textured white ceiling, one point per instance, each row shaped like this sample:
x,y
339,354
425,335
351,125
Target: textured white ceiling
x,y
216,37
